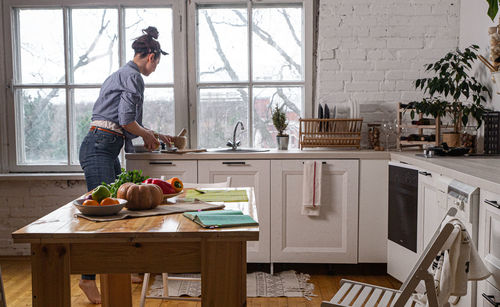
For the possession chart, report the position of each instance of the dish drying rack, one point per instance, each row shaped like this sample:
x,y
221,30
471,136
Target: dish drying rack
x,y
330,132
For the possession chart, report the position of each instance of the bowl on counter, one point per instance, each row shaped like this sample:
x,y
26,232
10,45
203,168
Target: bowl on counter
x,y
99,210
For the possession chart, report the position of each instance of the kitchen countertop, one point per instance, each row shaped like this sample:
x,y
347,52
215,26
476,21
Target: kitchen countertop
x,y
272,154
480,171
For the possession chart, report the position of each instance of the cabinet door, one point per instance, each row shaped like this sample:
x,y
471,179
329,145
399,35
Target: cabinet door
x,y
331,237
186,170
246,173
489,234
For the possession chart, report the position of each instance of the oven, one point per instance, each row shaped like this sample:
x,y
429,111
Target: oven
x,y
404,221
489,249
465,198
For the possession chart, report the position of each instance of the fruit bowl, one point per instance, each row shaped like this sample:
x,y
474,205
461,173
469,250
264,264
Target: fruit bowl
x,y
99,210
166,196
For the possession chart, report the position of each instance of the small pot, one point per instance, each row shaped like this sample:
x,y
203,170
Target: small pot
x,y
452,139
282,142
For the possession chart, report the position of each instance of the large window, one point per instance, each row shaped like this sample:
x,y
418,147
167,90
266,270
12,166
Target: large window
x,y
59,66
243,58
249,58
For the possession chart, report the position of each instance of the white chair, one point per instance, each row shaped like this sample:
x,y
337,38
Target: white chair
x,y
353,293
165,277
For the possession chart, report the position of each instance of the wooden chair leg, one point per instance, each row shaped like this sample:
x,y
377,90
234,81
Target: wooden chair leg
x,y
164,276
145,286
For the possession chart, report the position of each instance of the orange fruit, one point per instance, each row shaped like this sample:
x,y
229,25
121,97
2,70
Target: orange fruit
x,y
109,201
90,202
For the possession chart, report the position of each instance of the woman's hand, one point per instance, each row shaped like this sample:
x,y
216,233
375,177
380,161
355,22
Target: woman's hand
x,y
167,139
150,141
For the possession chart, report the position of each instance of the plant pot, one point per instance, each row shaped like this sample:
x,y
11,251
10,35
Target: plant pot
x,y
282,142
452,139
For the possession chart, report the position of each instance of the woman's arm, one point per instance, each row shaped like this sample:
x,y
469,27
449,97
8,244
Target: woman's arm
x,y
150,141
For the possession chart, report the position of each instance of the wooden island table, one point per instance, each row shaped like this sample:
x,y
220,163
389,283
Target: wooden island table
x,y
63,244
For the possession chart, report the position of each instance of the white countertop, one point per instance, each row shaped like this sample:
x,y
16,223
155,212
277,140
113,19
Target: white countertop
x,y
480,171
272,154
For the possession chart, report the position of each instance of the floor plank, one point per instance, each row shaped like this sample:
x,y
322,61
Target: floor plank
x,y
16,273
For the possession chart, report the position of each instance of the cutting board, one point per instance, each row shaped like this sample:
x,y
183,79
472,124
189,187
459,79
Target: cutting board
x,y
181,151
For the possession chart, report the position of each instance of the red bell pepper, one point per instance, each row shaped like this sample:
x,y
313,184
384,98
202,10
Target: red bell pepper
x,y
165,186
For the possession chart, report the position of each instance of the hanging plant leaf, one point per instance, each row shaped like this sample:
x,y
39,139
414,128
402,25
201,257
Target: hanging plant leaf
x,y
492,9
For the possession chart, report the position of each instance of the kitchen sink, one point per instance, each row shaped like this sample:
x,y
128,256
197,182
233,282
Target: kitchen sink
x,y
242,150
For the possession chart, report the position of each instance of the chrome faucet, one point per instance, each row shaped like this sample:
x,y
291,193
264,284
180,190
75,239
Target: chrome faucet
x,y
234,144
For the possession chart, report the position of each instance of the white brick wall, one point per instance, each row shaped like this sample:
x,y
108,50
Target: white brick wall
x,y
22,202
371,51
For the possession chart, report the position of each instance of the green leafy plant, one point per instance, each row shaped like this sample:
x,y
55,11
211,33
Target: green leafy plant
x,y
492,9
279,120
453,90
134,176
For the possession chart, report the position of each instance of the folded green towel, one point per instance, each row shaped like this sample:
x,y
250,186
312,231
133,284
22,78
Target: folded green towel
x,y
218,195
220,218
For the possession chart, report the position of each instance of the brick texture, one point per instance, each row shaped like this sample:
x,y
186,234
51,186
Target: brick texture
x,y
378,48
22,202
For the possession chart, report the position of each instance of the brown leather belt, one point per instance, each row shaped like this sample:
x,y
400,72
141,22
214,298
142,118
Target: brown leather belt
x,y
106,130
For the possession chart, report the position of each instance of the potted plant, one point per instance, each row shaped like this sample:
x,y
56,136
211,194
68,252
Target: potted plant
x,y
280,123
452,91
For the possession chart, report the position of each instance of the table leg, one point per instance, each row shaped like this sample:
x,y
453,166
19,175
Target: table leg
x,y
223,273
50,273
116,290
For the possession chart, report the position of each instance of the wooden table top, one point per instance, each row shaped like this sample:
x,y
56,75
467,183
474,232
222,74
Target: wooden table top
x,y
63,226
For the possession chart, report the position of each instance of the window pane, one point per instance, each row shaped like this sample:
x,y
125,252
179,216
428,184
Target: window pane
x,y
277,44
218,111
41,54
137,19
266,99
159,111
42,117
84,100
222,45
95,44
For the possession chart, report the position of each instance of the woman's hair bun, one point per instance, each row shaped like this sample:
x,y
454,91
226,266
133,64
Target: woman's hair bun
x,y
151,31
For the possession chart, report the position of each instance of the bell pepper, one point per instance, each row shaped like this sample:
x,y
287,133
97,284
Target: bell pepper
x,y
176,183
165,186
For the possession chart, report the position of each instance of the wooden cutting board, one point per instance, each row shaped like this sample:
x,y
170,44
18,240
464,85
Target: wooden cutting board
x,y
181,151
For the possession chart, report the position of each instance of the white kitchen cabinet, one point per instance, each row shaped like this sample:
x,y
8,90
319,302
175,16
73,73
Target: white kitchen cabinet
x,y
432,190
186,170
331,237
373,208
246,173
489,245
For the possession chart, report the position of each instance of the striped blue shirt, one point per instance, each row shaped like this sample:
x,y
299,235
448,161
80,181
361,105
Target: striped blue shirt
x,y
121,99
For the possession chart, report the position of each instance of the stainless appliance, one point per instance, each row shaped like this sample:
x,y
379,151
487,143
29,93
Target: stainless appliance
x,y
465,199
403,245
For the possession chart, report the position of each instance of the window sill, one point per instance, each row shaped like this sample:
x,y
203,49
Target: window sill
x,y
41,176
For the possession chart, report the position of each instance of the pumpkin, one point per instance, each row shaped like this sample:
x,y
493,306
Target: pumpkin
x,y
140,196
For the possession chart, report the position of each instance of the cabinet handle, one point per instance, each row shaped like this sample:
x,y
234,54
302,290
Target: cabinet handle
x,y
425,173
493,203
321,162
491,299
234,163
161,162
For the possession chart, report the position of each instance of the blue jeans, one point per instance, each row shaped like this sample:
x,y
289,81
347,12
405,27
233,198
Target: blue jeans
x,y
99,160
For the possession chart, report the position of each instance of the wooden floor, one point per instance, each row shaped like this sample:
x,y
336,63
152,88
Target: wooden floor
x,y
16,275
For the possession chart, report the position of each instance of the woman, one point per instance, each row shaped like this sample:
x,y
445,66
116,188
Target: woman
x,y
116,120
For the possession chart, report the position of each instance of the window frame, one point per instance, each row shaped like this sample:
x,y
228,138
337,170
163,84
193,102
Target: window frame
x,y
307,58
179,60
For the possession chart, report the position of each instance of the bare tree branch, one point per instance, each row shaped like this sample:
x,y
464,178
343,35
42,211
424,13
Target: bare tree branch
x,y
83,60
269,40
290,26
